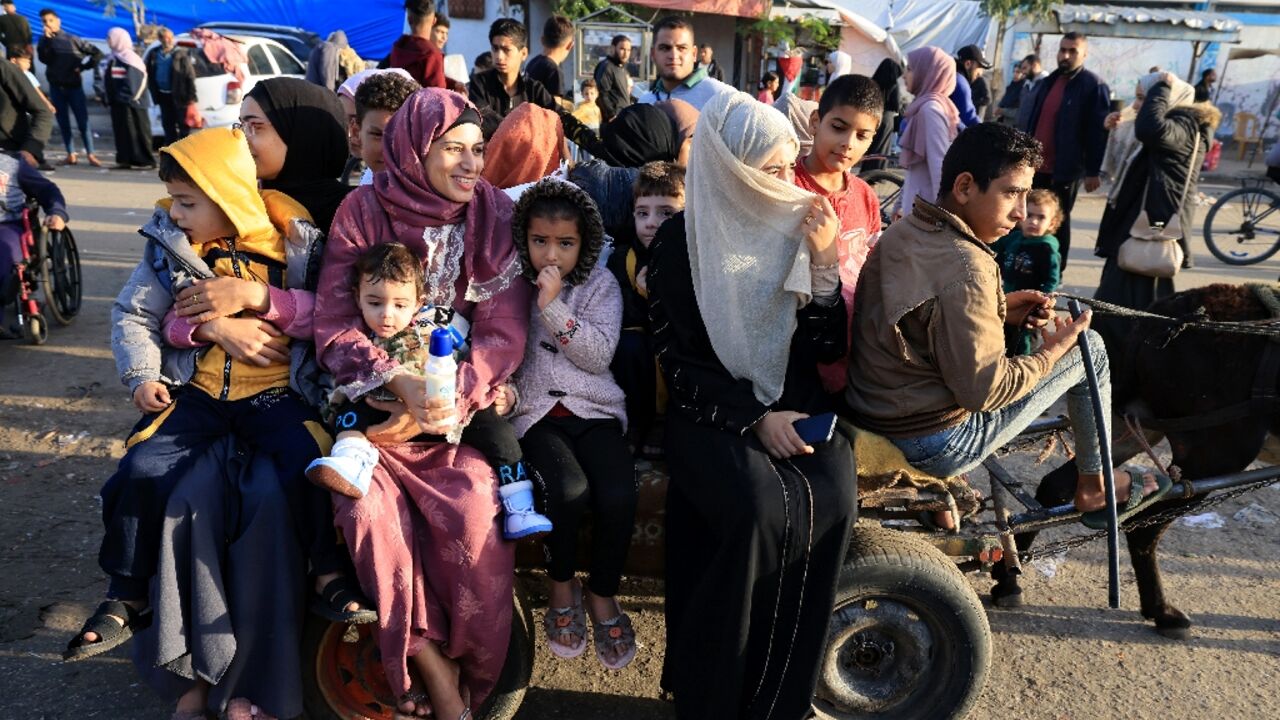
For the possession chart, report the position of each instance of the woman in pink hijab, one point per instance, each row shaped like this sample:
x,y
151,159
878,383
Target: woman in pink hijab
x,y
425,538
125,84
930,123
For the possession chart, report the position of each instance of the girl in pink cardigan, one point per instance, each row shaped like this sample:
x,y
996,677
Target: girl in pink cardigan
x,y
571,415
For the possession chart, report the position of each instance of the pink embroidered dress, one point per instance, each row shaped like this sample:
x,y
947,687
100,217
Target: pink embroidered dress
x,y
425,539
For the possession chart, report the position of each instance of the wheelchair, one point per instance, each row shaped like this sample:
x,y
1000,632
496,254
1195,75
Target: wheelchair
x,y
50,266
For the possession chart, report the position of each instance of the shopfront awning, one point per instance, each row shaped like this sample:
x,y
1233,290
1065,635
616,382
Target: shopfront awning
x,y
737,8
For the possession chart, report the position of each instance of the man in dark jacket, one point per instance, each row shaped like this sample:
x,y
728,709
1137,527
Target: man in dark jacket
x,y
612,79
500,89
171,80
15,30
65,57
1067,115
707,59
25,120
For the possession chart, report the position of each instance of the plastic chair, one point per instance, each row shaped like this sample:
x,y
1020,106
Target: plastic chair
x,y
1247,132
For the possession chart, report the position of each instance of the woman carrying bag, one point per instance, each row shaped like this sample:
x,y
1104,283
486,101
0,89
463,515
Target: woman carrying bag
x,y
1173,134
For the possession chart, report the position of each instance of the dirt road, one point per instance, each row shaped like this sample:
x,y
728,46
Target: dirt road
x,y
63,414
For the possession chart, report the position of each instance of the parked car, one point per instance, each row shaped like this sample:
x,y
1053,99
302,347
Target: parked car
x,y
218,92
300,42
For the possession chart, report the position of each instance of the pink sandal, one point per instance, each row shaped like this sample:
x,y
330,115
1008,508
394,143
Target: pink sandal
x,y
572,621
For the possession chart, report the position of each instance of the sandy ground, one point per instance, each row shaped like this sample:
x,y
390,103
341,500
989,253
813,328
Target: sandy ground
x,y
63,415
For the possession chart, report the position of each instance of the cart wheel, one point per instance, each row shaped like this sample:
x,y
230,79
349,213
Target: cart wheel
x,y
344,680
887,185
60,274
35,329
908,637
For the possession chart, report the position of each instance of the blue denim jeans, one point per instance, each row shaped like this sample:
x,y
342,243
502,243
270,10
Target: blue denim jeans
x,y
962,448
68,101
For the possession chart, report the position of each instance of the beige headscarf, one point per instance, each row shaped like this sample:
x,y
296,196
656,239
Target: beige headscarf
x,y
1181,94
746,249
799,112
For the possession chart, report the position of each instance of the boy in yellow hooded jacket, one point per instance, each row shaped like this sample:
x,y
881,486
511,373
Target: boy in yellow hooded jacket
x,y
212,335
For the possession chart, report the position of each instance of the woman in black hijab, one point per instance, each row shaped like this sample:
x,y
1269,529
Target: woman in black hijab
x,y
297,135
886,77
638,135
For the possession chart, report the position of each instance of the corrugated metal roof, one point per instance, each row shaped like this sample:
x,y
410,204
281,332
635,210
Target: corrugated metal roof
x,y
1114,15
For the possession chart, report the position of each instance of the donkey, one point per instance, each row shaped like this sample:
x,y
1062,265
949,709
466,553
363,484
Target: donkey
x,y
1159,374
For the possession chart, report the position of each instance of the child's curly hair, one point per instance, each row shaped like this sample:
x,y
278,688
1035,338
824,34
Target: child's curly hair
x,y
559,200
1048,200
389,261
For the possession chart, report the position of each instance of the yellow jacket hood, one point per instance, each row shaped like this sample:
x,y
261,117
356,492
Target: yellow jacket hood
x,y
219,163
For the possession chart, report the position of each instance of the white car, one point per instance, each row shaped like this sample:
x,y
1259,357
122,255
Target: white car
x,y
218,92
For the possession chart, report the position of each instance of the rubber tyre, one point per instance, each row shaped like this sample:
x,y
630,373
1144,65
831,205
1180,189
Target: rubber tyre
x,y
908,639
1213,213
36,329
60,274
365,673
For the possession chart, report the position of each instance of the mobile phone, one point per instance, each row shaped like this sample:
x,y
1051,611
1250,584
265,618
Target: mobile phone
x,y
816,429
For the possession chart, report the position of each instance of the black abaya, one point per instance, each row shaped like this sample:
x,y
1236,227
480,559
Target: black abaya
x,y
754,545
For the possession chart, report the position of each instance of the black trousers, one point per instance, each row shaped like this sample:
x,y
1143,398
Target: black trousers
x,y
172,119
1066,192
132,129
754,551
490,435
163,447
635,369
585,465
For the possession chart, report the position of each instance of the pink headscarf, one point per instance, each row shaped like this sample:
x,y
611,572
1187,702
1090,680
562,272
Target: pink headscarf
x,y
222,51
405,193
933,79
122,49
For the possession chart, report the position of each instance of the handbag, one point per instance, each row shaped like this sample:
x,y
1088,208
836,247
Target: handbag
x,y
1152,249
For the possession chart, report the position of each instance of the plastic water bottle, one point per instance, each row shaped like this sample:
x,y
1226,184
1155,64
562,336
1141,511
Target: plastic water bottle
x,y
441,370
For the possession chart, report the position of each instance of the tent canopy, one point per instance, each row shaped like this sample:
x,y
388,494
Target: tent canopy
x,y
1141,22
370,31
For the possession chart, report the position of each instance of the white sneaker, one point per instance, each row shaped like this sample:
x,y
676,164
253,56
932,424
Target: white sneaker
x,y
348,469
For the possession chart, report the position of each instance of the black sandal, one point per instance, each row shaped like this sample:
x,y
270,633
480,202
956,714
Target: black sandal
x,y
111,634
336,596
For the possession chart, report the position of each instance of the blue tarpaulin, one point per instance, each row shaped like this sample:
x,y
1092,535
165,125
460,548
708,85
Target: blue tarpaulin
x,y
371,25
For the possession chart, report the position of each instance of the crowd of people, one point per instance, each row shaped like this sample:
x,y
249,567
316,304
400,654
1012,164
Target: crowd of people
x,y
706,275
